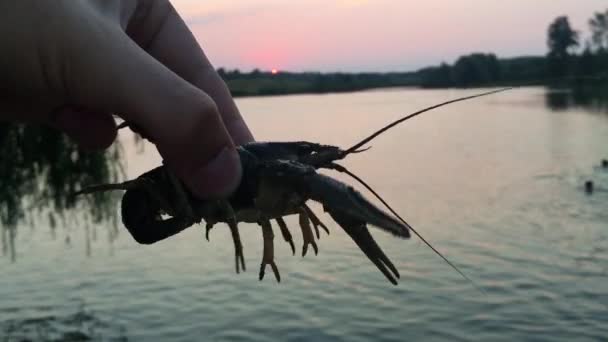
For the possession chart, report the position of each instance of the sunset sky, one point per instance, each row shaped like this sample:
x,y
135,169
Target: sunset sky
x,y
372,35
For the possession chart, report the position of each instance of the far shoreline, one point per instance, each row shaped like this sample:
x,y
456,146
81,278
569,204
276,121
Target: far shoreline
x,y
395,88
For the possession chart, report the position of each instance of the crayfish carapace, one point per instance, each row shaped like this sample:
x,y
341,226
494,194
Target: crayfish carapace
x,y
278,179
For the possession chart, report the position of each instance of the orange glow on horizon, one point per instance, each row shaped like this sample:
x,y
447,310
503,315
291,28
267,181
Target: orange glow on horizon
x,y
274,71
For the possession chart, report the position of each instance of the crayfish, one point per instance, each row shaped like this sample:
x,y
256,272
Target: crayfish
x,y
278,179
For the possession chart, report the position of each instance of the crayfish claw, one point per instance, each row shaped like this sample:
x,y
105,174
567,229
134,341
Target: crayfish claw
x,y
338,197
268,253
358,231
307,237
286,234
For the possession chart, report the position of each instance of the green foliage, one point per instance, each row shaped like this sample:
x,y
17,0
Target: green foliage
x,y
476,68
265,83
436,77
561,38
522,70
560,65
599,31
479,69
40,170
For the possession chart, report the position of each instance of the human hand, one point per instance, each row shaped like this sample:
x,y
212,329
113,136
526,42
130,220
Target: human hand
x,y
73,64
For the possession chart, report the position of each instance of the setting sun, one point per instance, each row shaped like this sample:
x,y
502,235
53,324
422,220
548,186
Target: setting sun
x,y
274,71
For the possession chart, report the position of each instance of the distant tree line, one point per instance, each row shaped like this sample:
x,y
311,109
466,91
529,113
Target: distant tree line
x,y
565,60
484,69
259,82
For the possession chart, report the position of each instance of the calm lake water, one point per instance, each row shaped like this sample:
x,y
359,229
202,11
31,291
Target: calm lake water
x,y
494,183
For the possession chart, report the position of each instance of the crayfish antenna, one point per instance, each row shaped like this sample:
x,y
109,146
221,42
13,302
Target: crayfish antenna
x,y
342,169
356,148
361,150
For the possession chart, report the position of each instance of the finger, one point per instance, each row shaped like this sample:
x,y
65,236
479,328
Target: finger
x,y
33,109
89,129
164,35
112,74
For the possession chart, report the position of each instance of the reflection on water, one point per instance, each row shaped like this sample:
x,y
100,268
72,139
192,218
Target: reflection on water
x,y
496,184
39,171
590,97
8,242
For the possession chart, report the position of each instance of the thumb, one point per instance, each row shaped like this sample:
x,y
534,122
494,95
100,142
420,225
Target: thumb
x,y
91,130
114,75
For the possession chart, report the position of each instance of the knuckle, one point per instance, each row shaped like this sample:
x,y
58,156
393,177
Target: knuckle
x,y
193,115
203,116
206,107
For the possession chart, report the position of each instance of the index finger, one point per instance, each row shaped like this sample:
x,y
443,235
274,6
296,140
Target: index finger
x,y
165,36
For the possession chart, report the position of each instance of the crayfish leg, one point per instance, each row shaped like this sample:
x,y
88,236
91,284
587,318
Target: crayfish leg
x,y
208,228
268,253
234,231
316,222
238,246
307,237
286,234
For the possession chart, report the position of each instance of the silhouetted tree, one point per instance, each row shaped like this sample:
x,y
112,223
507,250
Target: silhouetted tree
x,y
585,65
520,70
598,25
436,77
561,38
221,72
476,69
